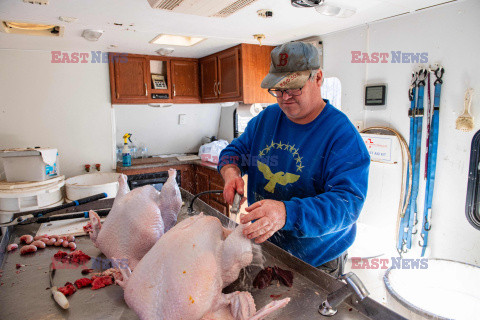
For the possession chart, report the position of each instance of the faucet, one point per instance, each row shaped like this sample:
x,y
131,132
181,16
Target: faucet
x,y
353,284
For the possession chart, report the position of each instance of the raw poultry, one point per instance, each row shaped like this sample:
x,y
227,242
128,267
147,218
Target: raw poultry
x,y
183,275
137,220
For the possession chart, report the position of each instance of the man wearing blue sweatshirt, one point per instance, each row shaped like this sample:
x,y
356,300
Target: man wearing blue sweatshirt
x,y
307,165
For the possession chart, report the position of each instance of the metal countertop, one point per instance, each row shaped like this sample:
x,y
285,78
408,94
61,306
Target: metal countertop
x,y
25,295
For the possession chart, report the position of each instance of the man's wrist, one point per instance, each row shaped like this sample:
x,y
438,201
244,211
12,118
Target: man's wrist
x,y
229,170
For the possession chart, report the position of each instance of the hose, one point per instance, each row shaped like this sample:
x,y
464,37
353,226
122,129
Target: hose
x,y
403,203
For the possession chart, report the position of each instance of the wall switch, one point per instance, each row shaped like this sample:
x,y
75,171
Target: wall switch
x,y
359,125
182,119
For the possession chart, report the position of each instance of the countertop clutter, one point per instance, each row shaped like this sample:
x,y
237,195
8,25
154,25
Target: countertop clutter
x,y
29,285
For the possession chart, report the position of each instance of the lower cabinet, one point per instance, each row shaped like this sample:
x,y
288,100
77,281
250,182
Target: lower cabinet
x,y
194,179
209,179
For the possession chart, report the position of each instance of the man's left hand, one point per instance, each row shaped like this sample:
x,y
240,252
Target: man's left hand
x,y
270,215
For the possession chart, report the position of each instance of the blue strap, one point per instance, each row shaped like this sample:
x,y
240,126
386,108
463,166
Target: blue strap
x,y
417,148
403,228
432,164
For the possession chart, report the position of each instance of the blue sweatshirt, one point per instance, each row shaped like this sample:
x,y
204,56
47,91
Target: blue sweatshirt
x,y
319,170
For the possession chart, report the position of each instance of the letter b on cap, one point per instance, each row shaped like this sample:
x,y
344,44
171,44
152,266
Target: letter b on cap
x,y
283,60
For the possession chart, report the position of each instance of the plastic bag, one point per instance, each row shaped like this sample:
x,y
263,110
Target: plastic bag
x,y
210,152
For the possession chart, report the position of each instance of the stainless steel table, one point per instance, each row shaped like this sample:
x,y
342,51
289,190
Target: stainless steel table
x,y
26,294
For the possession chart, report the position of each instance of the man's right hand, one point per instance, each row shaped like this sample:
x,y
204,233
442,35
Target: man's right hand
x,y
233,182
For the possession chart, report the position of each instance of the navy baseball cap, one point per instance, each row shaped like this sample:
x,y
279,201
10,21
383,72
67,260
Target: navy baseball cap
x,y
291,66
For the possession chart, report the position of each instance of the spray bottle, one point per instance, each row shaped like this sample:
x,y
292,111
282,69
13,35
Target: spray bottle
x,y
127,158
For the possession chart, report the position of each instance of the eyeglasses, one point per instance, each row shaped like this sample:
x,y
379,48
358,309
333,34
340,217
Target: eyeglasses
x,y
277,93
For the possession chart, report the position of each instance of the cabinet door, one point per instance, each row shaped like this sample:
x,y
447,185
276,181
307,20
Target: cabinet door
x,y
130,78
185,81
203,184
208,76
219,207
229,74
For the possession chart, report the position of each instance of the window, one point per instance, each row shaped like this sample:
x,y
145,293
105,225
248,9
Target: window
x,y
472,207
332,90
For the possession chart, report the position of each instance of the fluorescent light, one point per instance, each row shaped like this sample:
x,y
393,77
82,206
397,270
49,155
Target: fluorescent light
x,y
173,40
29,28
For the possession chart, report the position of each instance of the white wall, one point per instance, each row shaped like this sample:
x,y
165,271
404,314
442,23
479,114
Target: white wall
x,y
158,128
449,34
65,106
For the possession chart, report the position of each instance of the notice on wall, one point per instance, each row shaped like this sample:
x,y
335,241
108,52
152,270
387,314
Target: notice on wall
x,y
379,147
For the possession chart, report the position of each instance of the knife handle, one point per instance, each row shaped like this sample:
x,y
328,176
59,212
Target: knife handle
x,y
84,214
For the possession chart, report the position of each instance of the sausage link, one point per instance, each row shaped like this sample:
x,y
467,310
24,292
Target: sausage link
x,y
12,247
28,249
26,239
72,246
39,244
65,243
71,238
51,242
58,243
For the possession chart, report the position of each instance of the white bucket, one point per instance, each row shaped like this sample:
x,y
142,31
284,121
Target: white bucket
x,y
90,184
30,196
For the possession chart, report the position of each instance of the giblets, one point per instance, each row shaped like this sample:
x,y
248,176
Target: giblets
x,y
137,220
183,275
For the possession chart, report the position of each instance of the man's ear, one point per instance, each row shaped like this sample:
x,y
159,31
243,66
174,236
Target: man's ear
x,y
319,78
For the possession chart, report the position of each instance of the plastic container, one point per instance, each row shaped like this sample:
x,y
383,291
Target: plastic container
x,y
30,164
92,183
30,196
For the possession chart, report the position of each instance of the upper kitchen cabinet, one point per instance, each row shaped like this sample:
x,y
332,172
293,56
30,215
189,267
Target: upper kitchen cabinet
x,y
235,74
140,79
185,87
128,79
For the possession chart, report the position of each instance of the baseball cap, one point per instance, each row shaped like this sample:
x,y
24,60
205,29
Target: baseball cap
x,y
291,65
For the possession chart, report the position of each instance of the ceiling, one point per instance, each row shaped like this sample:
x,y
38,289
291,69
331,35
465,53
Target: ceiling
x,y
131,24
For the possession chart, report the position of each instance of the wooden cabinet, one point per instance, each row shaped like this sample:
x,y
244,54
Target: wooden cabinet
x,y
128,79
229,86
131,79
185,87
208,179
235,74
209,78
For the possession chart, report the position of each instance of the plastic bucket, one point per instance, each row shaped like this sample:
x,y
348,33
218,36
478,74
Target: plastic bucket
x,y
36,196
90,184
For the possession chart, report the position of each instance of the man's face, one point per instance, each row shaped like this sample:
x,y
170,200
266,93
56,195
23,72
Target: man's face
x,y
305,107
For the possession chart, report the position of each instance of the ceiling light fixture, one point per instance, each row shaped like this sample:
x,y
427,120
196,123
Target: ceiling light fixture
x,y
92,35
28,28
165,51
174,40
327,9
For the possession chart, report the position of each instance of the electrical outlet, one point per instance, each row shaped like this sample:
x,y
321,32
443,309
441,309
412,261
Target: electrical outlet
x,y
359,125
182,119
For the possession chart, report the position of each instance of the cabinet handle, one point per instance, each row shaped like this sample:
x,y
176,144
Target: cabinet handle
x,y
146,92
118,96
215,88
218,86
174,91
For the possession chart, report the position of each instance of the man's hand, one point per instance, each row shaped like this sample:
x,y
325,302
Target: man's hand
x,y
233,182
270,215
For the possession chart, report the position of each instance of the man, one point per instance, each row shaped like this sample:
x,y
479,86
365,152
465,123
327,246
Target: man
x,y
307,165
